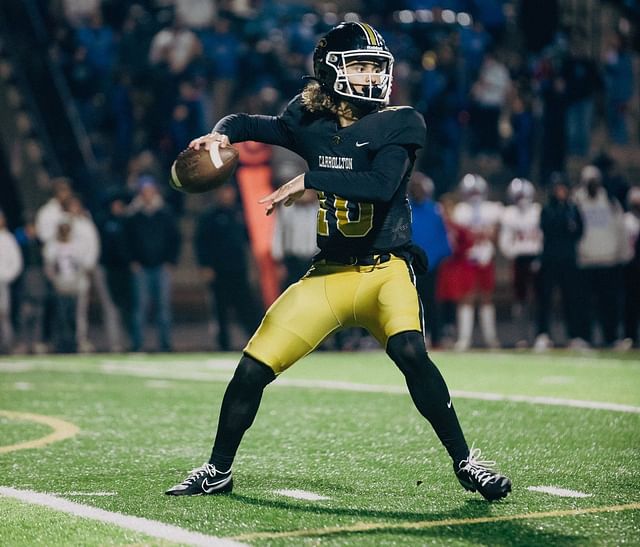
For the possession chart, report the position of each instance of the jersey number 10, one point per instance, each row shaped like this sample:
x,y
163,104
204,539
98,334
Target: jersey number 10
x,y
352,219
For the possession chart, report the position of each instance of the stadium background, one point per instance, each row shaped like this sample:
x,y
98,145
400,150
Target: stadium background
x,y
85,97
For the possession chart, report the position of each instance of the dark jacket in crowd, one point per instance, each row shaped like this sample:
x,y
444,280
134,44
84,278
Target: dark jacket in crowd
x,y
562,226
221,240
115,247
153,237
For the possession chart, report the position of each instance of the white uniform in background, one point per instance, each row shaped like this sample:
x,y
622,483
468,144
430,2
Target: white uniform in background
x,y
10,268
482,218
520,241
520,233
85,235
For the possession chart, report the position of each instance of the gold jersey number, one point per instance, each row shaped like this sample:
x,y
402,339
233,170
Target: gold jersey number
x,y
353,219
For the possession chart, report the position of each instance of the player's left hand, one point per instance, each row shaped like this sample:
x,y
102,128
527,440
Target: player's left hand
x,y
288,193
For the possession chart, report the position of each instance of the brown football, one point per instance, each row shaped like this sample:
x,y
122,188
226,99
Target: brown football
x,y
197,171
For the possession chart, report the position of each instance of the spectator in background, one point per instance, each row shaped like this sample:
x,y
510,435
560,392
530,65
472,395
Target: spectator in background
x,y
520,241
600,253
52,212
76,11
582,83
187,120
116,257
294,238
554,125
172,55
474,41
176,46
632,270
10,268
481,217
122,115
222,251
518,153
84,85
488,94
154,241
85,235
561,225
453,280
619,87
65,267
221,49
33,291
48,217
99,41
429,232
441,99
613,180
135,38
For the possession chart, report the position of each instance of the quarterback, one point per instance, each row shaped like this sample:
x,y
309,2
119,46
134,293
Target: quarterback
x,y
360,153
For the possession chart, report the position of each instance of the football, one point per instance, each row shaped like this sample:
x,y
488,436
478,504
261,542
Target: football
x,y
197,171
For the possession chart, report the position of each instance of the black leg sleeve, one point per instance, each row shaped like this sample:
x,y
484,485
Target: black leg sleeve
x,y
239,407
428,390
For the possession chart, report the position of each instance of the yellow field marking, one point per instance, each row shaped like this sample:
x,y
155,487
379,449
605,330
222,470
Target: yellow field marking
x,y
423,525
61,430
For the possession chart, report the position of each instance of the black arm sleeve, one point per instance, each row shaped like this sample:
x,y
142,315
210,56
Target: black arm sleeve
x,y
246,127
388,168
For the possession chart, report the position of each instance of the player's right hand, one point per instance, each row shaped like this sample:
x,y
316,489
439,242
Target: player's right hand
x,y
208,139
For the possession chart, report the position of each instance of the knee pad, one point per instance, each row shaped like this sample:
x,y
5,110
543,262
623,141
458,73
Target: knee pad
x,y
408,351
253,373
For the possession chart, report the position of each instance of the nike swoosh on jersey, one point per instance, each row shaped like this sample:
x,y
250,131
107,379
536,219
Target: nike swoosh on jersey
x,y
359,144
208,487
449,404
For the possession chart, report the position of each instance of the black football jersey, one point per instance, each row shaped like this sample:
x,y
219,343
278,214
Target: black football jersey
x,y
360,172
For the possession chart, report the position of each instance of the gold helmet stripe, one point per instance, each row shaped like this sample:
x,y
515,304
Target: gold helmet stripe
x,y
370,34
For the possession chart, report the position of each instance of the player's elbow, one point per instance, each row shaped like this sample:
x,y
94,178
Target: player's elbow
x,y
385,187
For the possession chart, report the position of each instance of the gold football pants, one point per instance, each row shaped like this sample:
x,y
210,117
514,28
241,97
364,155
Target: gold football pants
x,y
381,298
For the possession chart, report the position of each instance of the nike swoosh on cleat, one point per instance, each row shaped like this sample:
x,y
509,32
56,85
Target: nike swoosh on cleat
x,y
359,144
209,487
449,404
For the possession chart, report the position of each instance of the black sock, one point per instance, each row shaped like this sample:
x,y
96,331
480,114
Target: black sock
x,y
239,407
428,391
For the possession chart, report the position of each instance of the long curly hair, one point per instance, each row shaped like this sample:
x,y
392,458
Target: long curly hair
x,y
315,99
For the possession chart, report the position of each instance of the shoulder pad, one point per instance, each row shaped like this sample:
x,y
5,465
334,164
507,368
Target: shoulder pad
x,y
294,110
402,125
295,113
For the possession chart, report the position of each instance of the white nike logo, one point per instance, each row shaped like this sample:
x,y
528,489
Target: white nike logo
x,y
209,487
449,404
359,144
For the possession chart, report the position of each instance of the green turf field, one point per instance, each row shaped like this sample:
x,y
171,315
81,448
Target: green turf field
x,y
338,428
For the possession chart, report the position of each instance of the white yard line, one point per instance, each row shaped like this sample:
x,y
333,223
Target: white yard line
x,y
90,494
301,495
138,369
138,524
561,492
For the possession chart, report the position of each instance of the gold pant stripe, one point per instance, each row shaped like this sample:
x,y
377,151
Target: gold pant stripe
x,y
381,298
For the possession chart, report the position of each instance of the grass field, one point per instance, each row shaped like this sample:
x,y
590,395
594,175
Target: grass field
x,y
110,434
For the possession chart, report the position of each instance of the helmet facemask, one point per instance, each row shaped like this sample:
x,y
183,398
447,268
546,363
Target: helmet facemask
x,y
376,83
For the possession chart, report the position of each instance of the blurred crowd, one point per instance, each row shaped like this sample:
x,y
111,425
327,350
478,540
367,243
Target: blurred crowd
x,y
574,257
493,78
578,252
496,84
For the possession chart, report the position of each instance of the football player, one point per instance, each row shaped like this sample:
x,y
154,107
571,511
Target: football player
x,y
360,154
481,217
520,241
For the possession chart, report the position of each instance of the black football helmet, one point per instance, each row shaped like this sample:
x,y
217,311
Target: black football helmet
x,y
348,43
